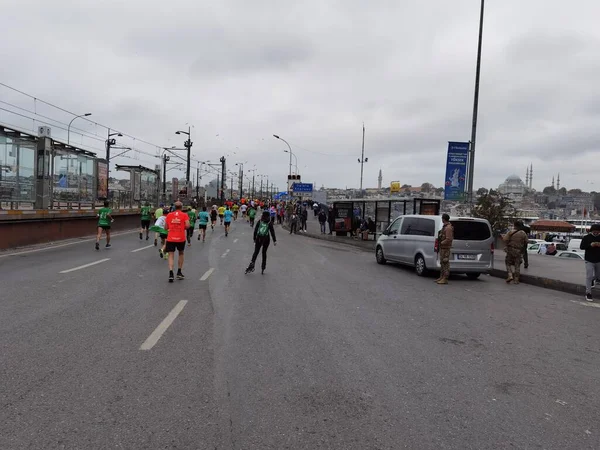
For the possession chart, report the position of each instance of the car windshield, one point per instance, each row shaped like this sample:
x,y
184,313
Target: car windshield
x,y
470,230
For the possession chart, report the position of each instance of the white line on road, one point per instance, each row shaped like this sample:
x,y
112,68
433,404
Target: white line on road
x,y
225,254
593,305
85,265
162,327
235,240
207,274
143,248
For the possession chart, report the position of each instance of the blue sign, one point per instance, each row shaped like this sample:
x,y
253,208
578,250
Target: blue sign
x,y
280,196
302,187
456,171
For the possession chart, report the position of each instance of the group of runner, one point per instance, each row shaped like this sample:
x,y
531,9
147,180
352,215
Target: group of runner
x,y
174,227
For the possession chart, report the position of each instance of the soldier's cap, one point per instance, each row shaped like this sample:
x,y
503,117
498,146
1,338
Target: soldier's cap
x,y
595,227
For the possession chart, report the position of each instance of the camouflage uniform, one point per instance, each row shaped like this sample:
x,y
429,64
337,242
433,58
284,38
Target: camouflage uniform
x,y
515,241
445,238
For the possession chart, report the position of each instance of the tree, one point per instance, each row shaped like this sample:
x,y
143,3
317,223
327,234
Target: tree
x,y
562,191
574,191
497,209
427,187
549,190
482,191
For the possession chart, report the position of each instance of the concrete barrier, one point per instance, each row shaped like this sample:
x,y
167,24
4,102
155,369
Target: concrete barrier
x,y
28,227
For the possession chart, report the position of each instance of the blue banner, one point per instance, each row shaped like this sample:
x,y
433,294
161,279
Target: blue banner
x,y
456,171
302,187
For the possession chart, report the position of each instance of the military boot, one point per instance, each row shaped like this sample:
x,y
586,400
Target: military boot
x,y
516,279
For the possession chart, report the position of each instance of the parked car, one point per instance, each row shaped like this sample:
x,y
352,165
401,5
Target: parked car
x,y
574,245
535,241
571,255
412,240
541,246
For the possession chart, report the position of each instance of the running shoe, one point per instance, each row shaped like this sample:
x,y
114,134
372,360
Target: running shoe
x,y
180,276
97,246
155,242
171,277
160,252
140,236
108,245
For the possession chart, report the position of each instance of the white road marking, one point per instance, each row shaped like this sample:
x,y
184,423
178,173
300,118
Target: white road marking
x,y
593,305
142,248
85,265
162,327
235,240
50,246
207,274
225,254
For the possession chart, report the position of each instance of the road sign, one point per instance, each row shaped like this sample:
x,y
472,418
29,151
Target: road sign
x,y
302,187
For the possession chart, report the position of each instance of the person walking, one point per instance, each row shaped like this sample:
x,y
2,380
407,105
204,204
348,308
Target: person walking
x,y
303,219
177,223
294,223
331,220
591,244
262,232
322,221
445,238
527,231
514,241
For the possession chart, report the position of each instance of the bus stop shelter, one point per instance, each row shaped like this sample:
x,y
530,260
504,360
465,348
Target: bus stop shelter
x,y
349,214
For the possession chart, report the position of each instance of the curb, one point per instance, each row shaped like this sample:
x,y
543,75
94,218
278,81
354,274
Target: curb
x,y
543,282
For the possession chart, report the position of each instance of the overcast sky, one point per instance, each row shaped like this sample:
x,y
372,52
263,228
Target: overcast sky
x,y
312,72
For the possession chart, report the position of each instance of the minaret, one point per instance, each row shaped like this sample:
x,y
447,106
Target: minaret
x,y
527,177
379,180
552,181
558,183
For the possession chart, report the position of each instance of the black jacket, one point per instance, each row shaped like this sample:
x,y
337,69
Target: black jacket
x,y
592,254
322,217
271,230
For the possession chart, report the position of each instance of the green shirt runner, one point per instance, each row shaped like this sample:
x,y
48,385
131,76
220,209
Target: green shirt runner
x,y
192,215
103,220
252,213
146,213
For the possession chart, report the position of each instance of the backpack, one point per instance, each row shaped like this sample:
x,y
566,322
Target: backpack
x,y
263,229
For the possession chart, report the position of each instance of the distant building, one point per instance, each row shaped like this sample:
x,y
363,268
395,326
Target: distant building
x,y
379,180
513,186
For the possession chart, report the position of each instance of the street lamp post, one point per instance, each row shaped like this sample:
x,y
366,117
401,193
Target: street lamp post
x,y
188,145
290,173
69,127
165,159
362,161
109,142
475,109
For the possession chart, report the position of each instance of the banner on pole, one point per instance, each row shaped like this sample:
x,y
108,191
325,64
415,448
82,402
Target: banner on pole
x,y
456,171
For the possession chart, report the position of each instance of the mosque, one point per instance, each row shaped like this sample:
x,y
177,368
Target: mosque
x,y
514,186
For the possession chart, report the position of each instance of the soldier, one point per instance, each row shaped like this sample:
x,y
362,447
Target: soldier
x,y
515,241
445,238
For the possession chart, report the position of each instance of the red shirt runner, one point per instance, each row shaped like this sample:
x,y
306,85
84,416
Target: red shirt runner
x,y
176,226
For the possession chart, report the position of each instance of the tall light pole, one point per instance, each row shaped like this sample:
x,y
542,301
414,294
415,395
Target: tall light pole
x,y
290,174
109,142
188,145
295,160
362,161
69,127
475,110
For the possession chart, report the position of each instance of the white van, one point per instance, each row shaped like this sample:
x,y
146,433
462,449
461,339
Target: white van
x,y
412,240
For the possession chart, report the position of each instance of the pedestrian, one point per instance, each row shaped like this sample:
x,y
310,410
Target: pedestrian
x,y
591,244
176,225
294,223
262,238
514,241
303,219
445,238
104,222
322,221
527,230
331,220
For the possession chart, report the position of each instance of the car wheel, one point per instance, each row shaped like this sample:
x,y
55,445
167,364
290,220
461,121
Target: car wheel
x,y
473,276
379,256
420,266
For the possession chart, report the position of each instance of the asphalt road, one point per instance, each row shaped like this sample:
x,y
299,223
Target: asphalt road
x,y
326,350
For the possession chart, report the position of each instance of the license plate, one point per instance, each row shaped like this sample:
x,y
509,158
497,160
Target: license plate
x,y
467,257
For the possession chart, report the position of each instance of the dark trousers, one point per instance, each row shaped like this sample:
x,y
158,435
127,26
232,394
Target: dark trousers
x,y
525,257
331,227
303,223
323,227
261,242
294,227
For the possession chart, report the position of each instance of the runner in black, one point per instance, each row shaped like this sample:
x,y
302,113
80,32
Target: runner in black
x,y
264,229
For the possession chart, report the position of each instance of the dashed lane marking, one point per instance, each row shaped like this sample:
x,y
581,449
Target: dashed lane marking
x,y
225,254
207,274
85,265
163,326
142,248
235,240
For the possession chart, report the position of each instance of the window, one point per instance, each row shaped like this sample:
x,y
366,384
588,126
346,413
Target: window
x,y
467,230
394,227
414,226
408,224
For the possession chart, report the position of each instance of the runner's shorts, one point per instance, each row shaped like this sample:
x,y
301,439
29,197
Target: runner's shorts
x,y
172,246
202,227
105,227
145,224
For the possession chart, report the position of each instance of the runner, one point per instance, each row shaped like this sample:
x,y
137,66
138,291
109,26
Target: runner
x,y
177,224
228,216
158,214
191,212
244,209
221,213
235,209
203,219
213,217
104,221
159,228
251,215
146,217
264,227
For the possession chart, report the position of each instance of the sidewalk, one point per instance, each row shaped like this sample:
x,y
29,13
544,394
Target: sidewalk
x,y
565,275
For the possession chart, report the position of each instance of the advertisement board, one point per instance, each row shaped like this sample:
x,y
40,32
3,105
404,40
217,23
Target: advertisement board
x,y
102,186
456,170
394,187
